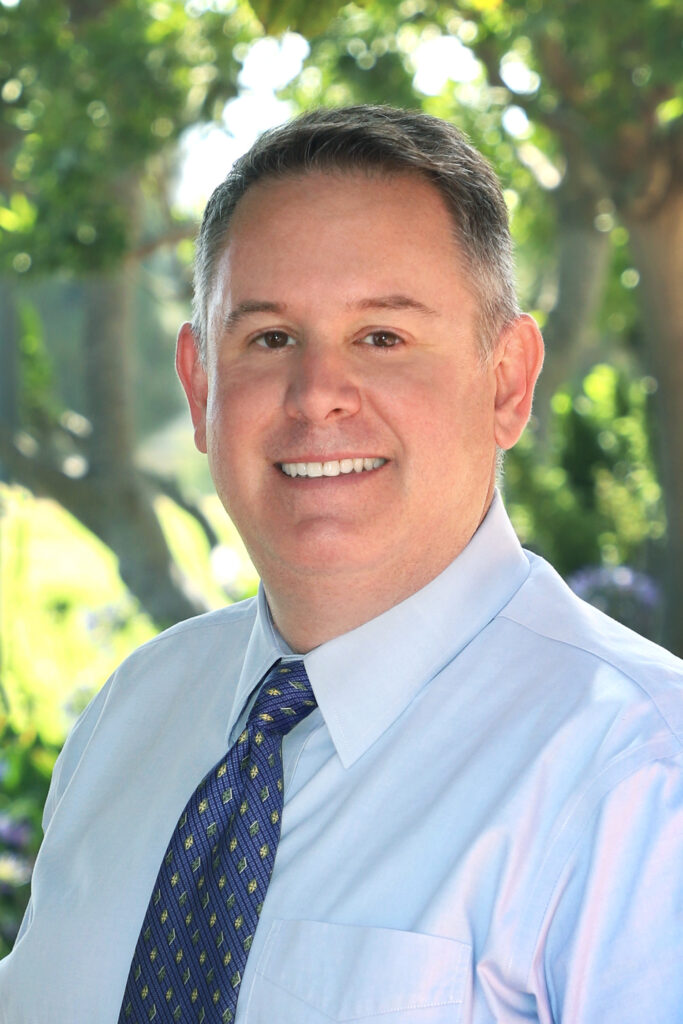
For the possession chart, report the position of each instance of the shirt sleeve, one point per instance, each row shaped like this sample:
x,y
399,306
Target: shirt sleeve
x,y
610,947
72,751
65,765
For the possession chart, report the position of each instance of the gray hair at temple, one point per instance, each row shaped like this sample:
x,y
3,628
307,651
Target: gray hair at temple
x,y
385,140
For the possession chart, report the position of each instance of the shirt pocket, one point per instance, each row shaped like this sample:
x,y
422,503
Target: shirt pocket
x,y
311,972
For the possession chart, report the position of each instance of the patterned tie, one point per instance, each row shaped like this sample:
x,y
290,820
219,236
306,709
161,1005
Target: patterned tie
x,y
205,905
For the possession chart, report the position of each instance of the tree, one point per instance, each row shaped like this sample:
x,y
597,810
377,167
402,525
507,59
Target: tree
x,y
610,92
96,94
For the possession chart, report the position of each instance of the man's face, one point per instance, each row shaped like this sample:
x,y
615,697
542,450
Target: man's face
x,y
347,415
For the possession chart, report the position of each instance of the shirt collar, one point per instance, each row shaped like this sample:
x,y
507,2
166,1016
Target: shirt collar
x,y
364,679
264,648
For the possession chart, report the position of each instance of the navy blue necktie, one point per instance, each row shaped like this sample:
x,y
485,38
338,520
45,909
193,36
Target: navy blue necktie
x,y
205,905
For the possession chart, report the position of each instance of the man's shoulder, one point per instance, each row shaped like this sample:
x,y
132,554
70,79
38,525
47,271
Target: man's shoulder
x,y
199,648
195,656
197,644
586,643
227,625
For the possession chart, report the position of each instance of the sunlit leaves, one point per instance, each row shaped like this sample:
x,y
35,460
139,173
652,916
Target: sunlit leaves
x,y
92,94
19,215
305,17
669,111
594,497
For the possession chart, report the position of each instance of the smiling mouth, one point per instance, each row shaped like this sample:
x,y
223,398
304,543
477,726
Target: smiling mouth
x,y
335,467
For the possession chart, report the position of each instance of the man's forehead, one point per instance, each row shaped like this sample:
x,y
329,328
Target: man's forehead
x,y
362,179
273,211
317,189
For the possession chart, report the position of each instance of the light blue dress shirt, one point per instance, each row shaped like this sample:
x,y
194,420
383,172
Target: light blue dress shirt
x,y
483,819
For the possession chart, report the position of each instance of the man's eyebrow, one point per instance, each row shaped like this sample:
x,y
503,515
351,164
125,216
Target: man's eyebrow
x,y
243,309
394,302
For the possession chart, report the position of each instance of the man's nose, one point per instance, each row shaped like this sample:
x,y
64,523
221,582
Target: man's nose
x,y
322,386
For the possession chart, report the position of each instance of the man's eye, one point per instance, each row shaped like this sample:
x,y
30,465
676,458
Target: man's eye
x,y
274,339
381,339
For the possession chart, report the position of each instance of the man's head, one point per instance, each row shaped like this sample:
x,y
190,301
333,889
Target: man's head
x,y
350,421
378,140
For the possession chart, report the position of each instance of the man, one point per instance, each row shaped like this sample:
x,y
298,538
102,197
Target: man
x,y
483,815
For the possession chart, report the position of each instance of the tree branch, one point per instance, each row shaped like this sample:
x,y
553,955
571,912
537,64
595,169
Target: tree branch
x,y
170,487
178,233
39,475
563,121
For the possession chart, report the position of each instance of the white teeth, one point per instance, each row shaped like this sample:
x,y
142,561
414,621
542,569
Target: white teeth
x,y
332,468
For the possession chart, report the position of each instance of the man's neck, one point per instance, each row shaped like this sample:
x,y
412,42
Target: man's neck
x,y
311,616
309,609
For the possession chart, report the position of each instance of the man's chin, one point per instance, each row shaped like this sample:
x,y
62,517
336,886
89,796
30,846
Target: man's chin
x,y
325,549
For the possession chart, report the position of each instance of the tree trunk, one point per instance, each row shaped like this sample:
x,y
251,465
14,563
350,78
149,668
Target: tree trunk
x,y
119,505
112,498
657,247
121,513
583,260
108,339
9,357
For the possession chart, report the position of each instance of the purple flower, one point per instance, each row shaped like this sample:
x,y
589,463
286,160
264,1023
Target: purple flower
x,y
14,833
619,580
627,595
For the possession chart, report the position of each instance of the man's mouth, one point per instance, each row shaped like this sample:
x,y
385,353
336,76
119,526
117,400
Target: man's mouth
x,y
335,467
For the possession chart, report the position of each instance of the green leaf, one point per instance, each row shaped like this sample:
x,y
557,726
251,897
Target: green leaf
x,y
670,110
20,215
310,19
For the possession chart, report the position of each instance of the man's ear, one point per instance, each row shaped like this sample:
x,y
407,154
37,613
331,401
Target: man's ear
x,y
518,360
193,377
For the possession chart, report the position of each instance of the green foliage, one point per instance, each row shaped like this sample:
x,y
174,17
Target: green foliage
x,y
66,617
91,94
594,498
356,60
615,66
309,19
37,403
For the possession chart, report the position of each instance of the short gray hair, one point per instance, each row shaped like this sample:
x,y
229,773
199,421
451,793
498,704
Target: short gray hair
x,y
388,140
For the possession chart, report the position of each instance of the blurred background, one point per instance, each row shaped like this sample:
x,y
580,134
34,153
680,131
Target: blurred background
x,y
118,118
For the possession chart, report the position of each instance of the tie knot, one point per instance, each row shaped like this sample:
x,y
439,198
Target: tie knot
x,y
285,698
